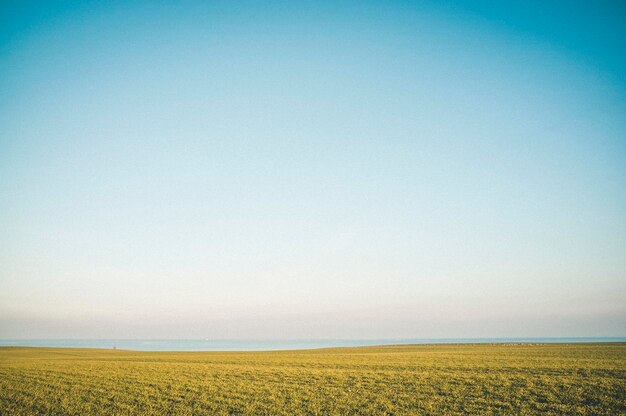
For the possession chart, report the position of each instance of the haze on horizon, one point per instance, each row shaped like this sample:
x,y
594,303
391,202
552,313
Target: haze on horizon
x,y
312,170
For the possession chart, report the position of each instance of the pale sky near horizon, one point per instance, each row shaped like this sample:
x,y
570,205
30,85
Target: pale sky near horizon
x,y
312,170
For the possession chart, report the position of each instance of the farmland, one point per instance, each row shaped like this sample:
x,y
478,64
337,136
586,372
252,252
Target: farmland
x,y
411,379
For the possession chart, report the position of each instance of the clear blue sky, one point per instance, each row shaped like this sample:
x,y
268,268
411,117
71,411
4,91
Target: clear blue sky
x,y
312,170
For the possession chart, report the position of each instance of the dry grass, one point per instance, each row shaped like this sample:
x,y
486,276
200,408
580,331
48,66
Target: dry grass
x,y
416,379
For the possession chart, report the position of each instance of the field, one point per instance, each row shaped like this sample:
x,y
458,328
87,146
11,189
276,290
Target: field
x,y
415,379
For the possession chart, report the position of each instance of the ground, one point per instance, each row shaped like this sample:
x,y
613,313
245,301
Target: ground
x,y
479,379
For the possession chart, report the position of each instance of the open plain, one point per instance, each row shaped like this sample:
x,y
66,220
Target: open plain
x,y
392,380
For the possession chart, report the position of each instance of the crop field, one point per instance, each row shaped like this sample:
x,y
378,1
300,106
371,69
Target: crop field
x,y
393,380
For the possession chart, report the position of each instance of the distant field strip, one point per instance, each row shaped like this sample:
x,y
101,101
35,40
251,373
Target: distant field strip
x,y
479,379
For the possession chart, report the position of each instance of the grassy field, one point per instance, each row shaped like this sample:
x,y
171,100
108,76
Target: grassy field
x,y
416,379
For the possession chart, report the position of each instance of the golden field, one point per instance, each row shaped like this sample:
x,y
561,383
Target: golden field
x,y
479,379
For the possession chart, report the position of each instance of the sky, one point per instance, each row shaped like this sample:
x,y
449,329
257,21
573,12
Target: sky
x,y
297,170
